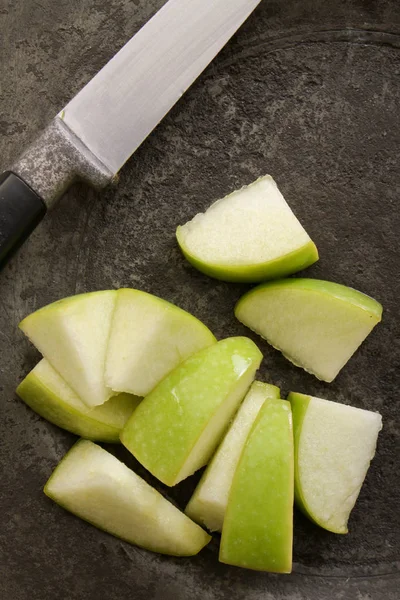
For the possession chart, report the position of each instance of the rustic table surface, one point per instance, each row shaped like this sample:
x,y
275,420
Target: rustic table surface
x,y
308,91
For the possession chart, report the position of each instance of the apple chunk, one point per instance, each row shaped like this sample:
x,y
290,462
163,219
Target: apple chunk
x,y
97,487
258,527
208,504
317,325
72,334
250,235
149,338
334,445
176,428
47,394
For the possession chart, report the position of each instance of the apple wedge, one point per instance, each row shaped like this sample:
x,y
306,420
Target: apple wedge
x,y
149,338
97,487
208,504
251,235
48,395
176,428
334,445
72,334
258,526
317,325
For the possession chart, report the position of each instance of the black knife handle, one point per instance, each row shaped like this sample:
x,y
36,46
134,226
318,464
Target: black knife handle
x,y
21,210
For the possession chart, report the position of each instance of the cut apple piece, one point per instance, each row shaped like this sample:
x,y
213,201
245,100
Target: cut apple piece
x,y
317,325
208,504
149,338
334,445
250,235
176,428
72,334
97,487
258,526
48,395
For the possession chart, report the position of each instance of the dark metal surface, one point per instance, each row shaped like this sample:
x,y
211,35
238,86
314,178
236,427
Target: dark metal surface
x,y
307,91
57,159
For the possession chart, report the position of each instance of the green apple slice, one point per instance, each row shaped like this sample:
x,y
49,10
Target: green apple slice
x,y
251,235
176,428
258,527
97,487
317,325
208,504
149,338
72,334
334,445
47,394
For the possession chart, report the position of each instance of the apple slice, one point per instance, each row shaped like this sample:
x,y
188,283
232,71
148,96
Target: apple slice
x,y
258,526
317,325
208,504
176,428
334,445
149,338
72,334
97,487
47,394
250,235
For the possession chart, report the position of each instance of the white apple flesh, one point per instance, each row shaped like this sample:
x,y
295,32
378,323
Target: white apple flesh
x,y
97,487
317,325
251,235
208,504
149,338
334,445
72,334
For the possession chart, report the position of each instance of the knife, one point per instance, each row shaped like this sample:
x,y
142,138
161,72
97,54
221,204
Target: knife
x,y
96,133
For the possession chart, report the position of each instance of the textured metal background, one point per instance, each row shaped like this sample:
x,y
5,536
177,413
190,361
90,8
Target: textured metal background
x,y
307,91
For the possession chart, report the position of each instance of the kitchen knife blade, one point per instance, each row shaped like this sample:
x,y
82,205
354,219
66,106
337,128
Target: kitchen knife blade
x,y
123,103
99,129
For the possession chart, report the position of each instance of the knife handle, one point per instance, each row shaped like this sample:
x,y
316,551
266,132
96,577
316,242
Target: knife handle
x,y
21,210
41,175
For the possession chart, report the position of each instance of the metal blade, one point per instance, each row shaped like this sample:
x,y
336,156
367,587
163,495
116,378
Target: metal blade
x,y
122,104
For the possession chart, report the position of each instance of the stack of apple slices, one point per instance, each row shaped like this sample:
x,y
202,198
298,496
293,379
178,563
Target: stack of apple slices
x,y
106,342
128,366
104,351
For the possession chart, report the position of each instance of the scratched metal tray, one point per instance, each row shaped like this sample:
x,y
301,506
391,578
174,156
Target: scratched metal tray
x,y
308,91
